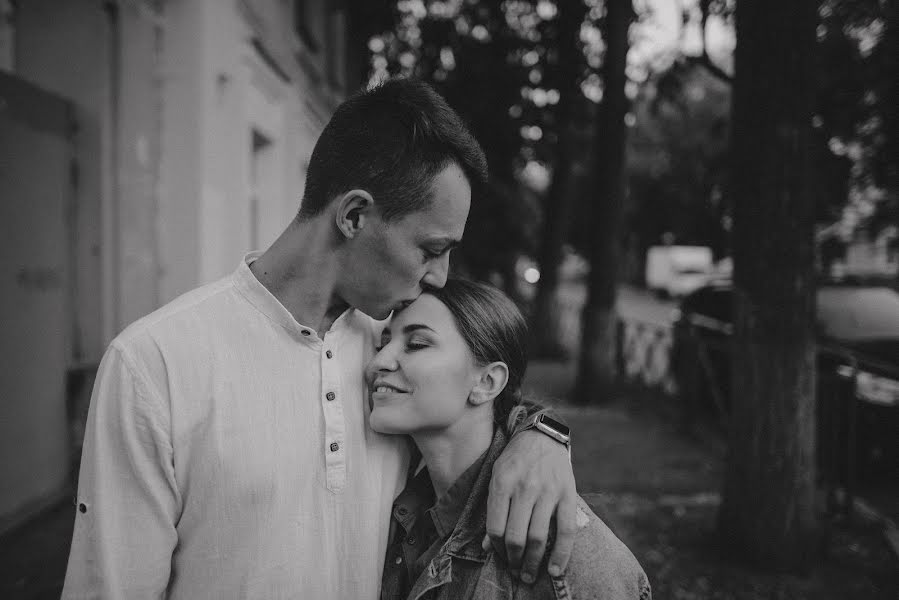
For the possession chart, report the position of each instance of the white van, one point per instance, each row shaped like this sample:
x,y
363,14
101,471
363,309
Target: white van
x,y
676,271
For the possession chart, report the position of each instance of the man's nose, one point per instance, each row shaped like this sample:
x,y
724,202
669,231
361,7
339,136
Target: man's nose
x,y
437,273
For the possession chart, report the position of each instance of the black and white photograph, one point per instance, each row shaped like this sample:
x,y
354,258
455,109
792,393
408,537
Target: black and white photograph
x,y
449,299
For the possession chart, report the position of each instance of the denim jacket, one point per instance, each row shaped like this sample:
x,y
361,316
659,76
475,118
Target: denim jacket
x,y
601,566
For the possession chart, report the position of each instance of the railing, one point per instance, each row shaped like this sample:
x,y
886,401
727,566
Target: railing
x,y
644,355
647,359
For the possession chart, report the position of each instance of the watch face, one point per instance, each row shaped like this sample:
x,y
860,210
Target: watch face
x,y
550,422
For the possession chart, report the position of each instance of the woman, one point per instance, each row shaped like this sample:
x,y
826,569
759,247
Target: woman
x,y
448,374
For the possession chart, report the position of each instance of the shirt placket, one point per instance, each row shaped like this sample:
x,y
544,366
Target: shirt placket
x,y
332,409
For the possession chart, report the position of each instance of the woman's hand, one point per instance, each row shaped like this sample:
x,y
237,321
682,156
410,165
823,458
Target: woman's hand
x,y
532,482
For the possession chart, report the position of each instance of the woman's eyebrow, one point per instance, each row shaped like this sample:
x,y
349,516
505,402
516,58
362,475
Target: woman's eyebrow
x,y
415,327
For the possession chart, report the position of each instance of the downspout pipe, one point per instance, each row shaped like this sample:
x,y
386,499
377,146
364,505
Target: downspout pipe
x,y
109,204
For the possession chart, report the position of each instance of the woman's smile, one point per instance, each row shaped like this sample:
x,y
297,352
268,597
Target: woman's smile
x,y
381,390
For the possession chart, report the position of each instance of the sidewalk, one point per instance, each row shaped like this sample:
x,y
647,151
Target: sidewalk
x,y
659,491
655,487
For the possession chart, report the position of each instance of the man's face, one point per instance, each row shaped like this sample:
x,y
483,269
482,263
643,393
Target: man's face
x,y
394,261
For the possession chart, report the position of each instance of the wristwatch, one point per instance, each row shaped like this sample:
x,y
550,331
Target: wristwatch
x,y
549,426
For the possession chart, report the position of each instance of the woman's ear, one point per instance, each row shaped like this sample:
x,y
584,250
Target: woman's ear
x,y
491,382
353,210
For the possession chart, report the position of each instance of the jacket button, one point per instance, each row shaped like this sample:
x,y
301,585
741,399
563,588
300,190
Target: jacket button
x,y
334,447
410,540
402,511
330,396
329,354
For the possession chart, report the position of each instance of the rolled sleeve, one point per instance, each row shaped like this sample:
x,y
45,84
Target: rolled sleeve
x,y
128,503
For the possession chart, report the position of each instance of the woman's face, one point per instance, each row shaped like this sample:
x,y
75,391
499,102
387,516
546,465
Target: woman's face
x,y
423,373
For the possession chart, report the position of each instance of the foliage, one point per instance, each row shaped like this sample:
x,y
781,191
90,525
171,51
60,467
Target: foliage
x,y
678,164
492,63
854,67
851,156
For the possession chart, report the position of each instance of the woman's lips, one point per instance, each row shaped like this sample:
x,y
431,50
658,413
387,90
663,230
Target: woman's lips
x,y
382,390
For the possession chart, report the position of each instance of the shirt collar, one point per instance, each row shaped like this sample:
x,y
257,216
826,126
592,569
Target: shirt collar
x,y
266,303
419,492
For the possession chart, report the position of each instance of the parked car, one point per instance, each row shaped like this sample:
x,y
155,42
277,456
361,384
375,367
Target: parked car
x,y
858,369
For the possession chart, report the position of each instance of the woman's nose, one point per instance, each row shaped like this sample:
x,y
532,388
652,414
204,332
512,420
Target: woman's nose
x,y
384,360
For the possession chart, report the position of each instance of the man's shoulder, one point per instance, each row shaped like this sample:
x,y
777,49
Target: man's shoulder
x,y
195,306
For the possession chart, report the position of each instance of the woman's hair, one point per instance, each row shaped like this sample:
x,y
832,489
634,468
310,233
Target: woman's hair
x,y
494,330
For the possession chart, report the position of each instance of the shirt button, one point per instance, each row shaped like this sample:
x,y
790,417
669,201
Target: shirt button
x,y
328,354
330,396
306,332
334,447
399,560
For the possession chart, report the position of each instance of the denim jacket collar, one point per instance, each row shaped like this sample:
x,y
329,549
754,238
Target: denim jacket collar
x,y
465,541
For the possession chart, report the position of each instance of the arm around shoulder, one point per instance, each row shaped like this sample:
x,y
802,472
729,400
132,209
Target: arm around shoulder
x,y
128,502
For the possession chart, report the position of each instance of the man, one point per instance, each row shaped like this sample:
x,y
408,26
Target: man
x,y
227,452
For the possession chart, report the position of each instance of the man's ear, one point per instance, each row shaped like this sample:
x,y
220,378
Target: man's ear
x,y
353,209
491,382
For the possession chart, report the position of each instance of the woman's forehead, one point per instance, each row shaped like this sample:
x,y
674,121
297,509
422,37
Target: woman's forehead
x,y
425,310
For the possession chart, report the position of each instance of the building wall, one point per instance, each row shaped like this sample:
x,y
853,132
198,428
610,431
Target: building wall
x,y
244,101
182,145
196,120
61,47
137,151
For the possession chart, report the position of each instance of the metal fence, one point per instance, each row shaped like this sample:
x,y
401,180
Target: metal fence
x,y
647,359
644,355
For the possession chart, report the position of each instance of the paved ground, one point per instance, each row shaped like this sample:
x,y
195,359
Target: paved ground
x,y
658,489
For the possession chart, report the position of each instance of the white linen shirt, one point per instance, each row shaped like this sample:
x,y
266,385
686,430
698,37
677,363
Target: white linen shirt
x,y
228,455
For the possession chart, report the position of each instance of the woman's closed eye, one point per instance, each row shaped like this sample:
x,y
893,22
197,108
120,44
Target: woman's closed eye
x,y
413,344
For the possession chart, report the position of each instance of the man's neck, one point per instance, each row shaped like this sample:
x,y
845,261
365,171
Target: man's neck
x,y
300,270
449,452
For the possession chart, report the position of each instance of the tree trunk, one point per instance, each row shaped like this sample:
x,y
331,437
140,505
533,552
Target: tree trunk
x,y
597,371
559,202
891,116
768,512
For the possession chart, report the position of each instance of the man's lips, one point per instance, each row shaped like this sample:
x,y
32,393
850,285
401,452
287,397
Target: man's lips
x,y
402,304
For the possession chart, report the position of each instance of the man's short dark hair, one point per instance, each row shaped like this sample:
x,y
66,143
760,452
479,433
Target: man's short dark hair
x,y
391,140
